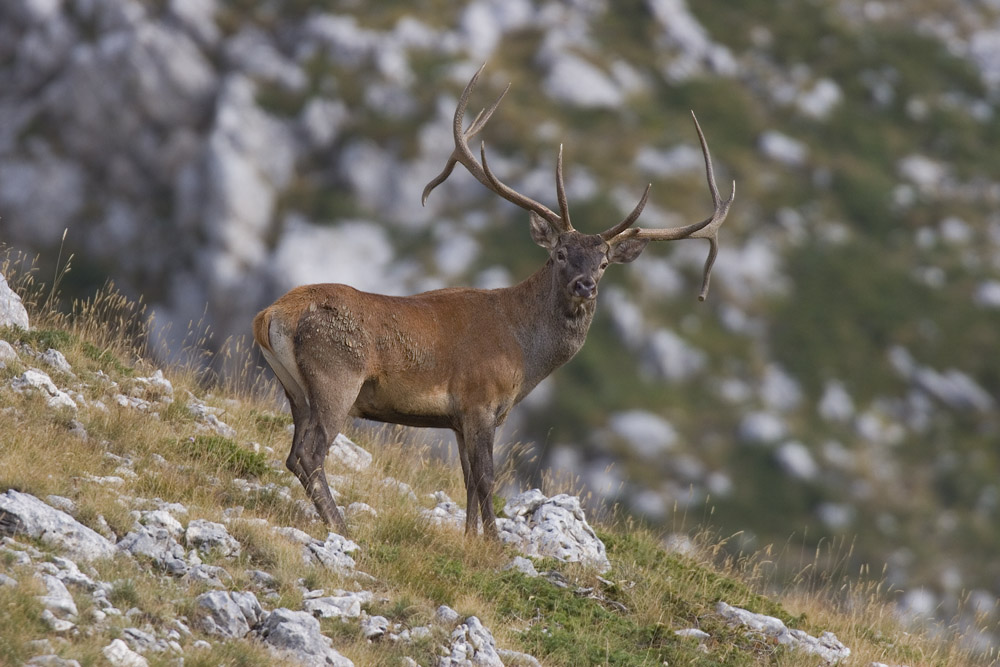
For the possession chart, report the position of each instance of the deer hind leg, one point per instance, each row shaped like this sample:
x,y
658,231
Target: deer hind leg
x,y
314,433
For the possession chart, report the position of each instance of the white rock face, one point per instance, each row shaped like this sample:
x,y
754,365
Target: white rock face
x,y
445,513
552,527
647,434
40,382
690,44
334,553
575,81
471,644
119,654
348,454
227,614
297,633
12,312
57,598
342,604
207,536
24,513
827,646
783,148
795,459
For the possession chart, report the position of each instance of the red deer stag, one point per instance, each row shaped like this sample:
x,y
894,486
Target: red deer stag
x,y
452,358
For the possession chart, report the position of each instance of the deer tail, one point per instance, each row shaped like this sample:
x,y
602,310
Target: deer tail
x,y
262,329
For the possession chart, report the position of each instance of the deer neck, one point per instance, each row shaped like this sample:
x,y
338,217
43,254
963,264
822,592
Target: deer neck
x,y
550,326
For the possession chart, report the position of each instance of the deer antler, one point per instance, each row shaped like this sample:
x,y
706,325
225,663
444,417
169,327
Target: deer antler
x,y
463,155
706,229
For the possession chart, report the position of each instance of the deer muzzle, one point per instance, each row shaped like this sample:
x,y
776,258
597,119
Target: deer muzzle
x,y
584,287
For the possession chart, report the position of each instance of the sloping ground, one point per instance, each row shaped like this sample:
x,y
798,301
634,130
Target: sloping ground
x,y
842,380
149,521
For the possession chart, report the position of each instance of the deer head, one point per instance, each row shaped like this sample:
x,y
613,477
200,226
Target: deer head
x,y
580,259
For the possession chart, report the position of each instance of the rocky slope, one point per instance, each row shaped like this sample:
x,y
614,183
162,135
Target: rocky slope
x,y
166,586
840,383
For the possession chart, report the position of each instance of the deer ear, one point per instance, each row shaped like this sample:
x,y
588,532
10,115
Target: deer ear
x,y
624,252
542,232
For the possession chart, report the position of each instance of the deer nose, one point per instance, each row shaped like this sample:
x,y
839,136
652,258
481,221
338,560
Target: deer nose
x,y
585,287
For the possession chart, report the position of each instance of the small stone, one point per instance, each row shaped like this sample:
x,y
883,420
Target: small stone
x,y
120,655
445,615
692,632
57,625
522,565
374,627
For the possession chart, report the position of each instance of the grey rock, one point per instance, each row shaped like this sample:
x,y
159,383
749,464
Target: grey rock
x,y
61,503
56,624
12,312
297,633
161,519
210,575
351,456
68,572
446,513
320,122
688,43
34,380
340,605
374,627
158,544
56,360
826,646
119,654
522,565
207,536
334,553
552,527
445,615
139,640
357,510
782,148
472,644
24,513
517,659
198,18
253,52
647,434
206,416
577,82
262,579
7,353
57,598
225,614
694,633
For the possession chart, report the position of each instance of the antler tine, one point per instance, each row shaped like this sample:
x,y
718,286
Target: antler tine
x,y
706,229
561,192
461,138
463,155
629,219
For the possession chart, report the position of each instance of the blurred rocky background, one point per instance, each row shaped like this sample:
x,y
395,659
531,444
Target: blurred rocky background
x,y
839,387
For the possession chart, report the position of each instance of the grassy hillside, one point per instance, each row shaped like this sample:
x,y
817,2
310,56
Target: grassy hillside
x,y
113,461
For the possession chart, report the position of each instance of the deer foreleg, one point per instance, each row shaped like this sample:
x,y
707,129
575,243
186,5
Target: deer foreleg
x,y
479,483
471,504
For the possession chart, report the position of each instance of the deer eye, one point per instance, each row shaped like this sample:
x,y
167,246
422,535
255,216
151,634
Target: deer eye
x,y
604,265
560,256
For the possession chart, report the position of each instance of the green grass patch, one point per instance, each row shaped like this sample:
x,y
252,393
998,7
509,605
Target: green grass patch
x,y
225,454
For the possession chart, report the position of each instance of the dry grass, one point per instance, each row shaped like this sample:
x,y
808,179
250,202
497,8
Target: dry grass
x,y
628,617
